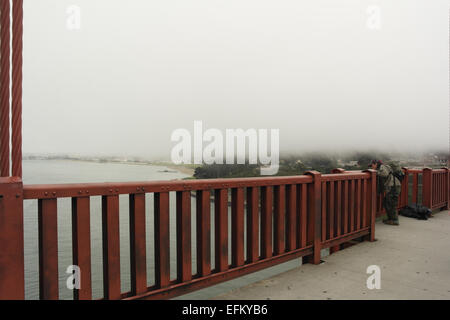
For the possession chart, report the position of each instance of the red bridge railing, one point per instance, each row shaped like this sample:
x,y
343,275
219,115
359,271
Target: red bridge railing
x,y
270,221
266,220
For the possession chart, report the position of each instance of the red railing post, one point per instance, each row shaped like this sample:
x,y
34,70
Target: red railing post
x,y
315,215
427,186
372,192
404,198
447,188
12,272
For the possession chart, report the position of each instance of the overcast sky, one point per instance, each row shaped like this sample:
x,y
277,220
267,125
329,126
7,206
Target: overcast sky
x,y
137,70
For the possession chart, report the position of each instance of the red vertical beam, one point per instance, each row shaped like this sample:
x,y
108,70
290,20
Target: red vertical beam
x,y
162,240
345,213
280,220
405,189
337,199
291,209
324,211
302,214
237,229
358,205
184,245
48,249
427,184
252,225
364,203
415,188
315,215
330,208
12,277
5,62
339,209
81,246
203,233
447,188
352,206
221,229
17,27
111,247
266,221
138,247
372,192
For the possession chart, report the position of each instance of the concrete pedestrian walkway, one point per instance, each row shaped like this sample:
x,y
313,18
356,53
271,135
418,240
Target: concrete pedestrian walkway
x,y
414,260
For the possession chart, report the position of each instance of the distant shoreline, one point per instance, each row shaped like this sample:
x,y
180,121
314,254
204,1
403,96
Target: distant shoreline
x,y
184,169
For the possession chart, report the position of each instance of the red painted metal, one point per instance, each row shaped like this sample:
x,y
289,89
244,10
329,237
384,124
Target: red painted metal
x,y
162,240
266,222
302,216
291,217
12,274
16,106
48,249
309,213
203,233
372,203
315,215
252,224
138,248
221,230
111,247
184,245
237,227
81,245
280,220
5,62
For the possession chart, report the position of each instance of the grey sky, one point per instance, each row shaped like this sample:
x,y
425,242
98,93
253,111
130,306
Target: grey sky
x,y
139,69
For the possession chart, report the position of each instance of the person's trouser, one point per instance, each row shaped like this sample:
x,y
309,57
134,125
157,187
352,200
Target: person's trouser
x,y
390,204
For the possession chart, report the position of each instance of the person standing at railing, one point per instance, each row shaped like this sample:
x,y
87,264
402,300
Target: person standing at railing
x,y
388,183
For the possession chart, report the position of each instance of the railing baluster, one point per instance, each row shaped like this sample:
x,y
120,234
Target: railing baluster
x,y
345,210
330,208
266,221
111,247
252,224
302,210
364,203
184,245
291,208
415,188
221,229
81,246
48,249
324,211
352,206
358,204
339,209
138,254
162,240
203,233
237,229
280,220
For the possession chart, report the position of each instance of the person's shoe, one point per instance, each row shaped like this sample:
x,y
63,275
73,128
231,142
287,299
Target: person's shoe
x,y
392,222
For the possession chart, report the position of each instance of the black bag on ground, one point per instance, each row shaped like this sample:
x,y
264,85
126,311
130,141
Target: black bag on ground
x,y
416,211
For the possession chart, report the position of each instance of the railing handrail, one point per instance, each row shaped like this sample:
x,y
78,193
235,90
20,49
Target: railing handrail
x,y
50,191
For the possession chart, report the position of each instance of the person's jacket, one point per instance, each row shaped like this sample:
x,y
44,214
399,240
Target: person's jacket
x,y
386,179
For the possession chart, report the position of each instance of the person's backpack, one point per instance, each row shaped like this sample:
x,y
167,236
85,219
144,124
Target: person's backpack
x,y
397,170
